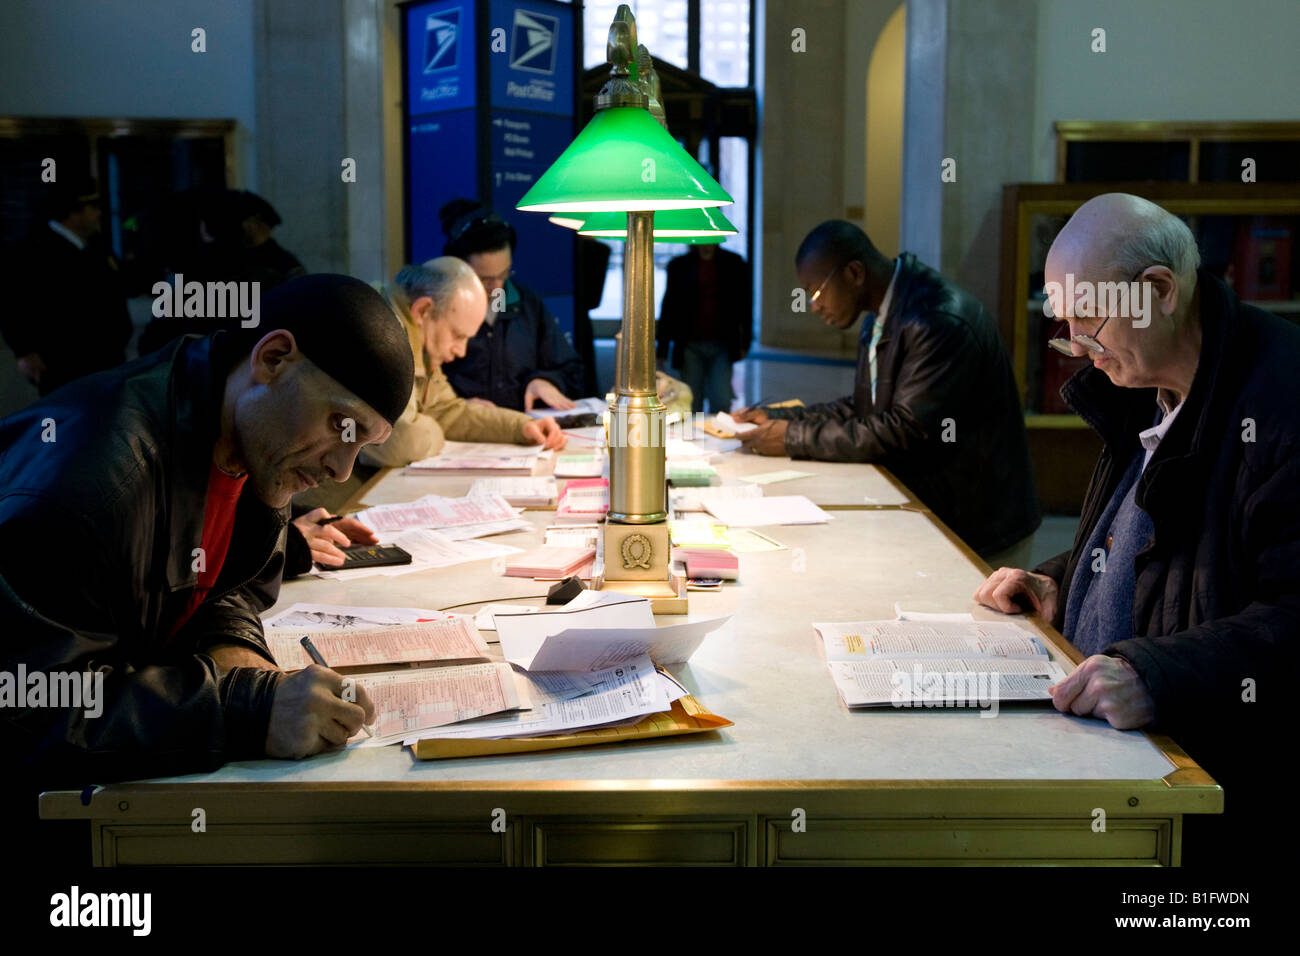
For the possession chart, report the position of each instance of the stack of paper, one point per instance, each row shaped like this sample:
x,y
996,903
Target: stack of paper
x,y
574,535
694,499
708,563
523,492
697,533
691,473
549,561
579,464
756,512
583,501
411,699
724,426
433,511
937,663
467,458
589,665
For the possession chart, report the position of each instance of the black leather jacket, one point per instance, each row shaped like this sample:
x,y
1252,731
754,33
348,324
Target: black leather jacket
x,y
97,532
939,358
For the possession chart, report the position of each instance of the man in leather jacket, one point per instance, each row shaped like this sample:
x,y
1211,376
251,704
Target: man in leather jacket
x,y
934,400
1182,588
142,530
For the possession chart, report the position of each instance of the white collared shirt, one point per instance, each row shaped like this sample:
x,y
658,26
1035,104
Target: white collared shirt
x,y
67,234
883,311
1151,437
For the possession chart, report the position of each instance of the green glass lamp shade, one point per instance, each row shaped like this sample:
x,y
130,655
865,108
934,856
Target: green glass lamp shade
x,y
671,225
623,161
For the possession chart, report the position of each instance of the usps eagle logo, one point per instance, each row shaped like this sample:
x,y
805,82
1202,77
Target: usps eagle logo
x,y
441,40
533,42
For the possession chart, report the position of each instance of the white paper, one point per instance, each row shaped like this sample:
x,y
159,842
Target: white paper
x,y
726,423
485,530
881,683
862,640
771,477
695,499
516,487
631,690
757,512
593,649
326,617
522,635
931,615
485,621
581,406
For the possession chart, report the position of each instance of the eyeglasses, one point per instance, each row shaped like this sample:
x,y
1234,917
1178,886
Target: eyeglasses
x,y
1089,342
817,295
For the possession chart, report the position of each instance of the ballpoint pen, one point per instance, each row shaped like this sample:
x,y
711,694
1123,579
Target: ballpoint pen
x,y
315,655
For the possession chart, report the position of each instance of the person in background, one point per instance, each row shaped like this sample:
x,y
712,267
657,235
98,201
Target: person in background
x,y
263,260
65,315
442,304
707,318
519,358
1182,588
934,401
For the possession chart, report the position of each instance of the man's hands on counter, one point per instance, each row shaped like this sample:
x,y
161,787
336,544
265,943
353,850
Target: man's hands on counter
x,y
1109,688
309,713
1104,687
767,439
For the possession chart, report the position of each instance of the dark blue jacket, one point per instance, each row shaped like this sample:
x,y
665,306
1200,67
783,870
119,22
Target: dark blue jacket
x,y
524,343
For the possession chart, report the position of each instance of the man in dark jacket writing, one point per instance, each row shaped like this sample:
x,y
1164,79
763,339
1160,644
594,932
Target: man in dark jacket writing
x,y
934,401
1182,587
142,530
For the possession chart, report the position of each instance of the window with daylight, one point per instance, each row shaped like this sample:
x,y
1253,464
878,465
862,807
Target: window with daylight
x,y
705,62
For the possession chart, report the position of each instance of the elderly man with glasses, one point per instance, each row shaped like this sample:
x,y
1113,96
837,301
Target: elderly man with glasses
x,y
934,398
1183,584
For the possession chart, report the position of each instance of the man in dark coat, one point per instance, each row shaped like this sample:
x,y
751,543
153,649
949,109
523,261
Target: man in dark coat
x,y
142,528
519,358
707,318
1183,585
934,401
66,316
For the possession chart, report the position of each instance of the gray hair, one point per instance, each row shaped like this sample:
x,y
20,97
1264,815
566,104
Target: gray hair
x,y
440,279
1161,237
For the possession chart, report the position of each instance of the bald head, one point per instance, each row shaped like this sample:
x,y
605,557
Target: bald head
x,y
1116,235
1122,273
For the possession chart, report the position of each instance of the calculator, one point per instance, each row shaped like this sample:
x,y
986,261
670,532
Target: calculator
x,y
369,556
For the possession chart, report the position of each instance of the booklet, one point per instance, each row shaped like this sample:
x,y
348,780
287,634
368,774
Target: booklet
x,y
937,663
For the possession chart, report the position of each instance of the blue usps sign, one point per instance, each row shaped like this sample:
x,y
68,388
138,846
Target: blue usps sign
x,y
441,56
535,71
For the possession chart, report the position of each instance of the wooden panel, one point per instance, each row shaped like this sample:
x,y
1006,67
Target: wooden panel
x,y
979,842
642,843
1063,460
314,844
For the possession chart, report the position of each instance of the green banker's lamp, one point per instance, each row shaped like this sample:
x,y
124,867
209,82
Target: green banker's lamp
x,y
625,161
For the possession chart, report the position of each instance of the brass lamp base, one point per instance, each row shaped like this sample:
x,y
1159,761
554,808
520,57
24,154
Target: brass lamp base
x,y
636,552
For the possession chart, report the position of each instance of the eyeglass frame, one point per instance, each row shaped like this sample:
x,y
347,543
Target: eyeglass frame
x,y
821,288
1089,342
